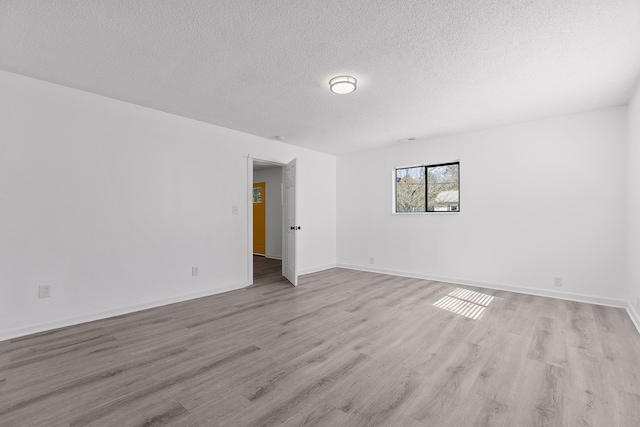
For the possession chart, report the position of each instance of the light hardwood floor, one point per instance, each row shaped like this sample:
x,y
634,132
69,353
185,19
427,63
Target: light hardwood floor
x,y
345,348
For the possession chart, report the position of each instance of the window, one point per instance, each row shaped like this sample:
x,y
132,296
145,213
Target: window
x,y
434,188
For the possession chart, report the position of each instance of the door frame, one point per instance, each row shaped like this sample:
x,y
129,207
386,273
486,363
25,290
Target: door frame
x,y
249,199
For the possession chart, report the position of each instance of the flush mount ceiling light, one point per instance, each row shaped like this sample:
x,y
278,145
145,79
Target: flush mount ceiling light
x,y
343,85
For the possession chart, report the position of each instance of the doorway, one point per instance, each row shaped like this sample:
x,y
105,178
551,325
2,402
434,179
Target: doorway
x,y
267,204
281,242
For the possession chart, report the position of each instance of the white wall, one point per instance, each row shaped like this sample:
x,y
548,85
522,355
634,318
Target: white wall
x,y
538,200
272,177
633,167
112,204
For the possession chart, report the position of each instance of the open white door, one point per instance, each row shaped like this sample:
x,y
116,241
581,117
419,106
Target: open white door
x,y
289,256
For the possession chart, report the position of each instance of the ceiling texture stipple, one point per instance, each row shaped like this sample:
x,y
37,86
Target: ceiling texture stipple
x,y
424,68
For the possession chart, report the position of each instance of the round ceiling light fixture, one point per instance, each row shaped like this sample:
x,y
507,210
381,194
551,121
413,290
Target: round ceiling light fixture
x,y
343,85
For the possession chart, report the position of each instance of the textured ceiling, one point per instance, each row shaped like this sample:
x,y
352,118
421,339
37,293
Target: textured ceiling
x,y
425,67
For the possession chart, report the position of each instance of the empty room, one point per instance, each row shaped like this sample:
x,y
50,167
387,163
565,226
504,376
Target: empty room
x,y
329,213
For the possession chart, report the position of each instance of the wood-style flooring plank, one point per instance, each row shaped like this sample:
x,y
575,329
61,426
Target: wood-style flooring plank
x,y
589,401
548,343
481,411
503,364
537,395
449,386
582,331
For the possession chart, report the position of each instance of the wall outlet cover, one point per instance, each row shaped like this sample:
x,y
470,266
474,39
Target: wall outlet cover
x,y
44,291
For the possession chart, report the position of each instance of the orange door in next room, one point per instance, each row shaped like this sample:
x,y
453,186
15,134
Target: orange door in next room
x,y
259,198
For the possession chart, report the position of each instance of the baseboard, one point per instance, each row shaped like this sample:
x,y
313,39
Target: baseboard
x,y
591,299
316,269
634,315
278,257
90,317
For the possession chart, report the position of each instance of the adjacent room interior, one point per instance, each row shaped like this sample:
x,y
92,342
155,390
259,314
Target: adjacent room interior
x,y
320,213
267,223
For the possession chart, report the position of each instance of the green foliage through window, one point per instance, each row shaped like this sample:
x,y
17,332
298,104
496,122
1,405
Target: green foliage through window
x,y
434,188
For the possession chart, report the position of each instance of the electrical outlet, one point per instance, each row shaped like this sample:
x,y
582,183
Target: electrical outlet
x,y
195,271
372,261
44,291
557,281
